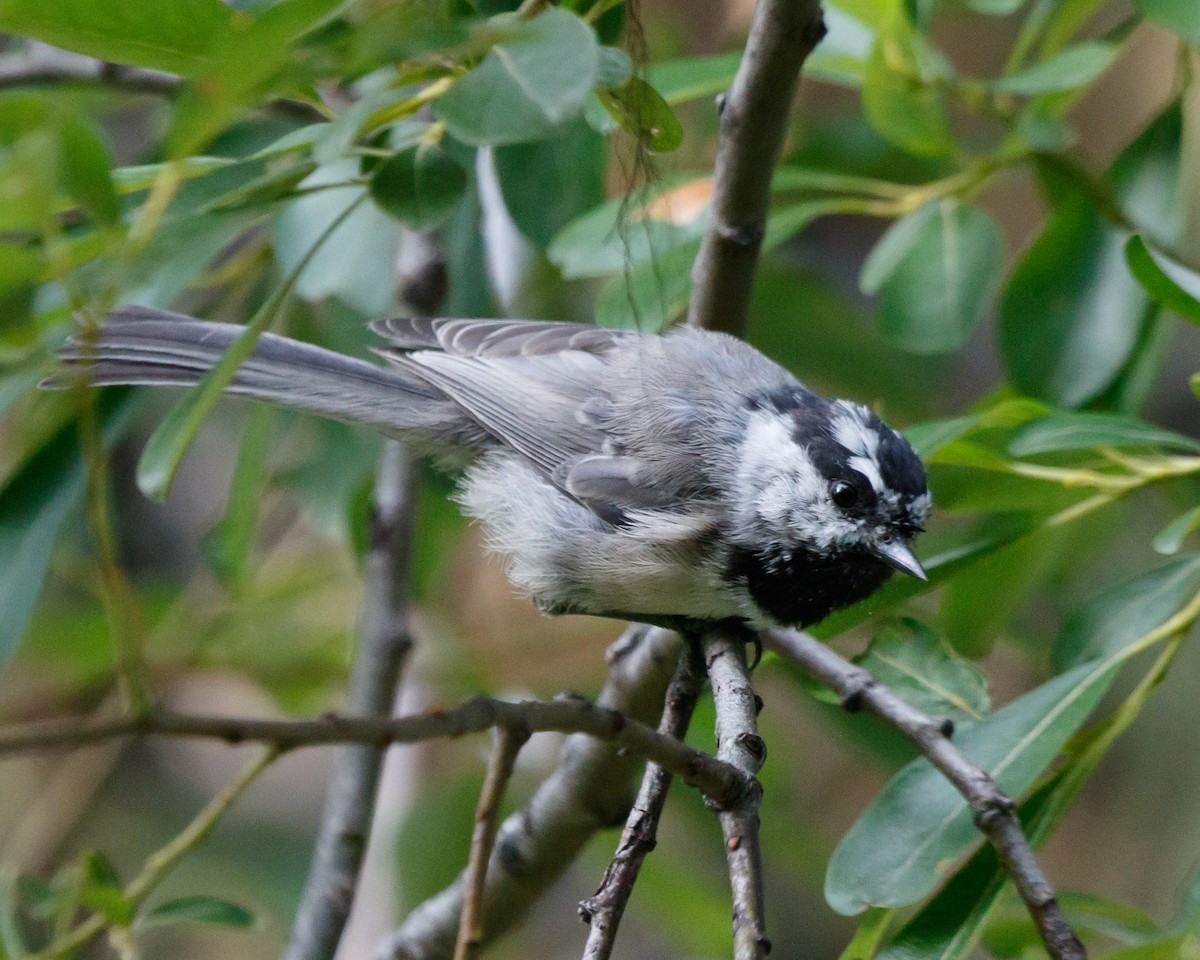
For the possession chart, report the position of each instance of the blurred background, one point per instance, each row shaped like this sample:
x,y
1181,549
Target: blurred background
x,y
274,636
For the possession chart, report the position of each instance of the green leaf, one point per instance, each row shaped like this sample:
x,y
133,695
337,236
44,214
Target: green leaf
x,y
928,438
937,275
174,35
1084,430
419,187
651,295
911,835
1170,538
196,909
1069,316
1167,282
900,99
228,544
570,180
614,68
13,945
1181,17
34,506
693,77
916,663
536,77
101,889
1104,626
87,171
640,111
995,8
1067,70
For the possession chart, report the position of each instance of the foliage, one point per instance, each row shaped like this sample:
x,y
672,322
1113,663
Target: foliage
x,y
305,140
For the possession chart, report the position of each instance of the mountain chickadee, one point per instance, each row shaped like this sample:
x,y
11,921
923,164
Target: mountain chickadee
x,y
682,477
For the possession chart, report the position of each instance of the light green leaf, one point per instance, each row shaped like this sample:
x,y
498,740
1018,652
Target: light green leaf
x,y
916,663
1181,17
228,544
1170,538
928,438
87,171
1067,70
536,77
1181,947
1084,430
419,187
937,277
1167,282
901,98
614,68
179,36
891,249
693,77
196,909
641,112
34,506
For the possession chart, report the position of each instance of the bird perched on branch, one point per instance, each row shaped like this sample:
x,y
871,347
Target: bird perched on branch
x,y
682,477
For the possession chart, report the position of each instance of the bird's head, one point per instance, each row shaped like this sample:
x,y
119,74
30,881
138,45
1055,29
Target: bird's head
x,y
830,500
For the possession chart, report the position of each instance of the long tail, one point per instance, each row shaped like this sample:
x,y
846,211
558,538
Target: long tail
x,y
138,345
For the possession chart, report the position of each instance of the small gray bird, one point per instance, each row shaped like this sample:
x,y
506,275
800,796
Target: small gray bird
x,y
682,477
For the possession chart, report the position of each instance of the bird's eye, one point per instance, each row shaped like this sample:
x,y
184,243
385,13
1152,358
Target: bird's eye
x,y
843,494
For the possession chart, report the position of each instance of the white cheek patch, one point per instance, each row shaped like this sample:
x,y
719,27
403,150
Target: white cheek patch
x,y
789,493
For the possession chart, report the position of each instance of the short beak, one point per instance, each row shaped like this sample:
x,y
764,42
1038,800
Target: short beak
x,y
896,553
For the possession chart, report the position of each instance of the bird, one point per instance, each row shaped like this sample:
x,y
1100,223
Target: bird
x,y
670,478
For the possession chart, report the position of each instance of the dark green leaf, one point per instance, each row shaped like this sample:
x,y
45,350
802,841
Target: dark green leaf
x,y
1167,282
1084,430
34,506
537,76
1066,70
919,826
937,276
570,180
1122,614
87,171
640,111
419,187
275,185
1181,17
175,35
196,909
916,663
1171,537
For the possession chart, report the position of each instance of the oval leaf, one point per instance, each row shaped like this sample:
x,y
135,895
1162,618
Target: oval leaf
x,y
1181,17
943,280
419,187
197,909
1171,537
1066,70
536,77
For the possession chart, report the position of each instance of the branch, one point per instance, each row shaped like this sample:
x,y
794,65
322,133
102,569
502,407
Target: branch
x,y
995,814
383,647
721,782
753,123
738,743
604,909
47,66
483,839
591,789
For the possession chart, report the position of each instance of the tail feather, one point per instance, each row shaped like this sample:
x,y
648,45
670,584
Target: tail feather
x,y
143,346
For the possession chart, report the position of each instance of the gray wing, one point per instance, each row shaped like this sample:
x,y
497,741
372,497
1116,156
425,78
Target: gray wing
x,y
538,387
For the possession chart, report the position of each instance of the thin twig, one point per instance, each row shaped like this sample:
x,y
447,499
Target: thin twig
x,y
994,813
604,909
739,744
383,647
507,745
753,123
161,862
591,789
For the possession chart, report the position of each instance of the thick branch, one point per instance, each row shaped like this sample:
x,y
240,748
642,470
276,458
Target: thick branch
x,y
994,812
483,840
604,909
738,743
591,789
753,123
383,647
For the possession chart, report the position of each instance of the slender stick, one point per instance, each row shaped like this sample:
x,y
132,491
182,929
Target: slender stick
x,y
590,790
507,745
383,647
739,744
995,813
753,123
604,909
